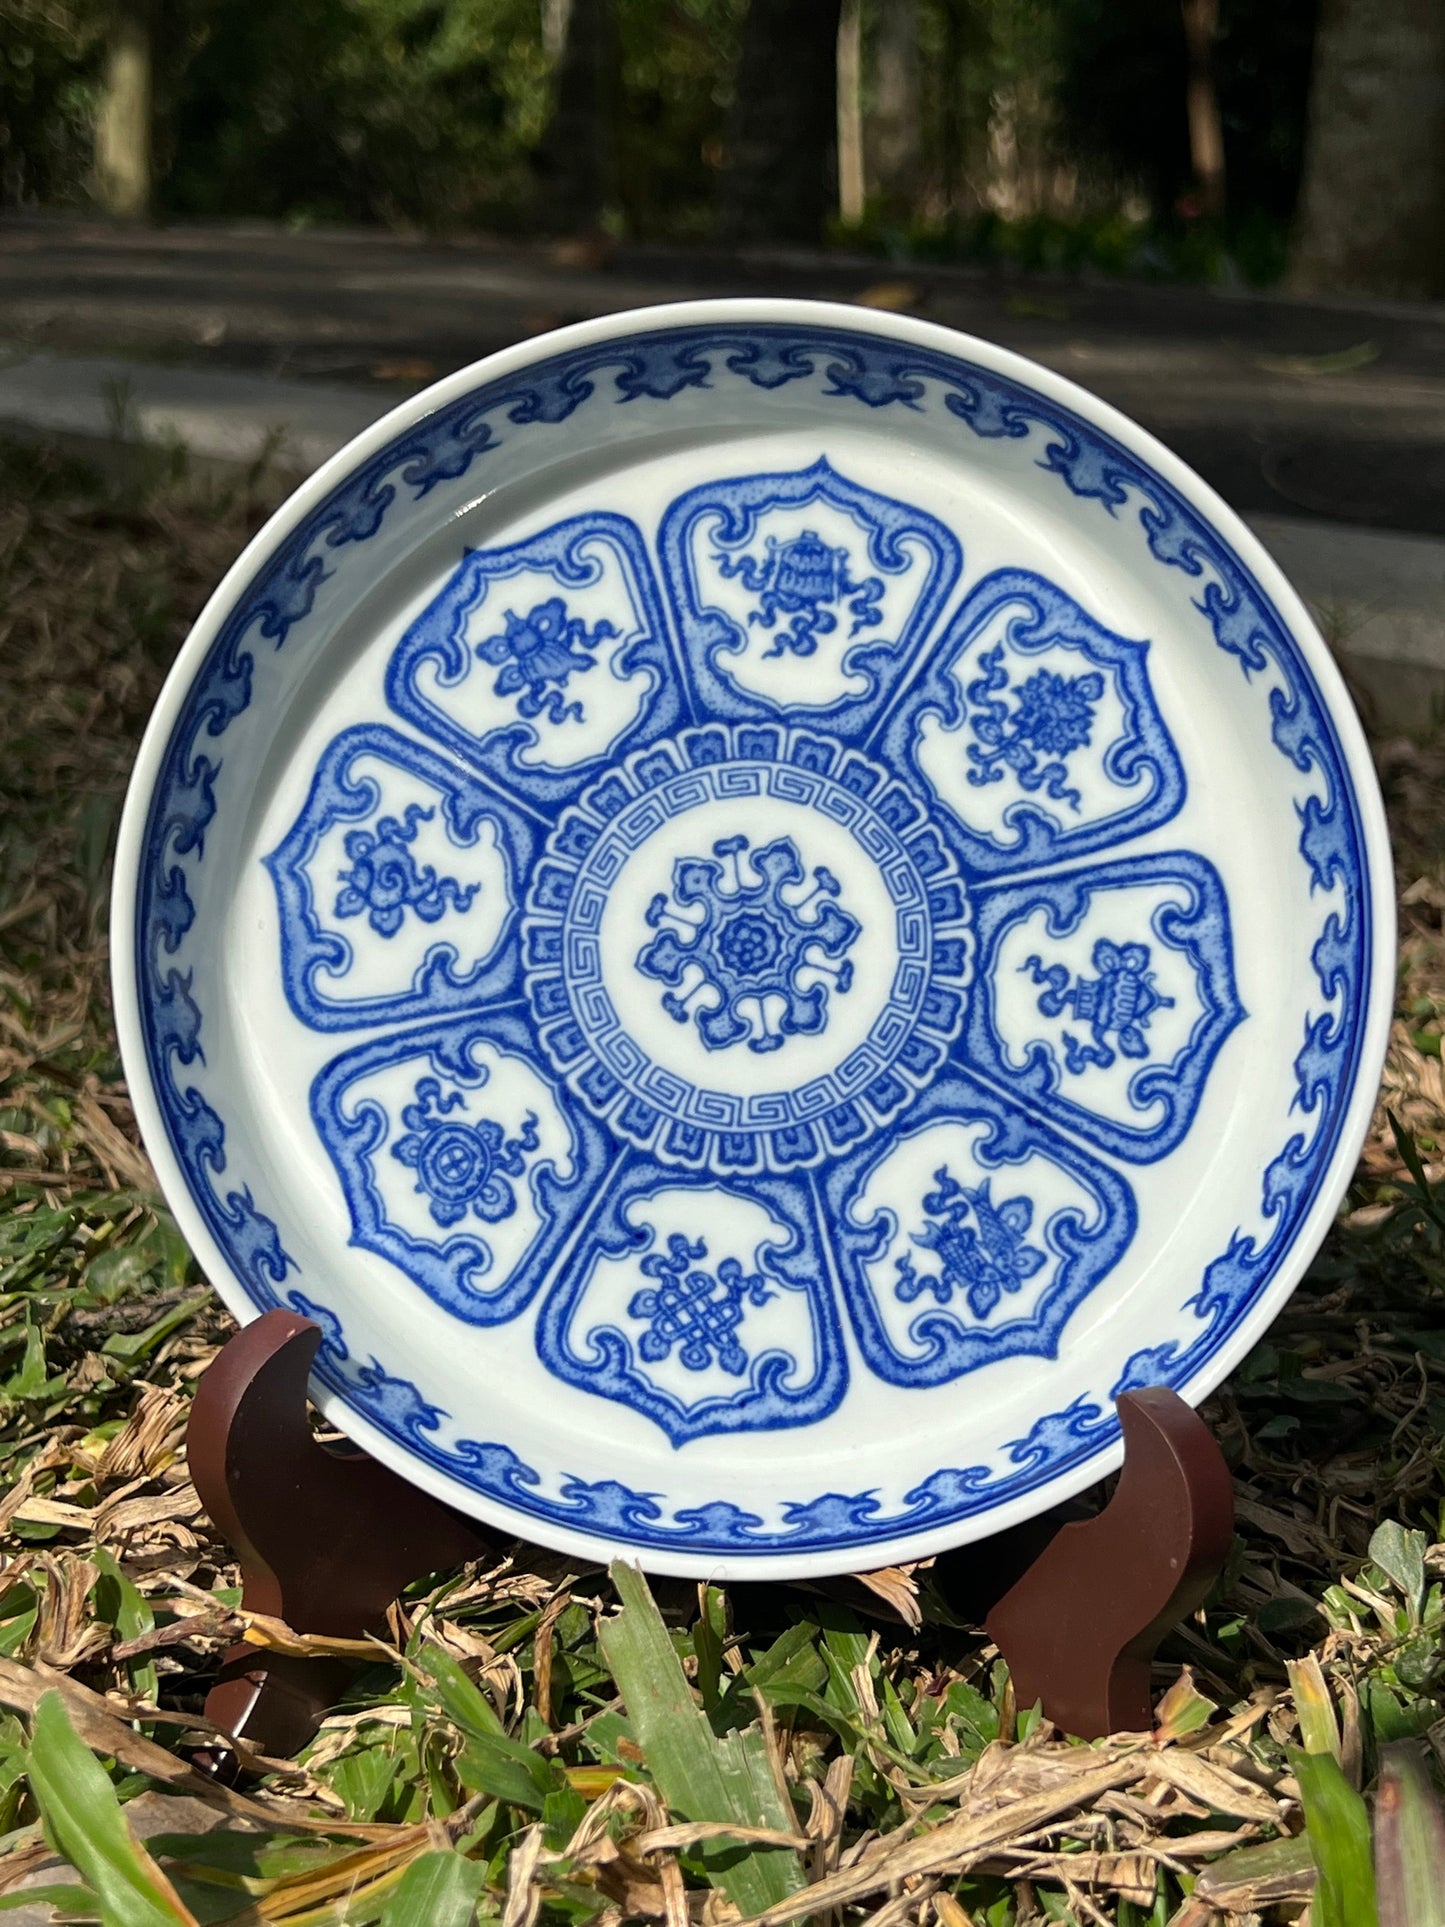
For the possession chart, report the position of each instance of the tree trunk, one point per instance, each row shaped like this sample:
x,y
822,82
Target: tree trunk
x,y
577,159
1206,133
1372,206
895,145
778,176
555,16
123,119
851,187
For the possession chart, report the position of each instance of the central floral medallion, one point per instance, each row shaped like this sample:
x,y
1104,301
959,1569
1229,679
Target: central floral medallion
x,y
750,947
747,948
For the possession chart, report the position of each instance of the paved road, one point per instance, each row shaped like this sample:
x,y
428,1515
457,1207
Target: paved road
x,y
1327,410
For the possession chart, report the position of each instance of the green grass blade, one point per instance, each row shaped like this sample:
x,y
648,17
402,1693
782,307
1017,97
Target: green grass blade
x,y
463,1702
134,1346
490,1762
790,1668
1409,1843
120,1601
437,1890
700,1776
1338,1824
84,1819
708,1637
66,1901
504,1770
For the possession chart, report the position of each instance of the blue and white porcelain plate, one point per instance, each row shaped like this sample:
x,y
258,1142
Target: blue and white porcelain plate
x,y
757,907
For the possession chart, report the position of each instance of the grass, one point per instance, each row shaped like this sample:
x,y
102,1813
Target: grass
x,y
518,1748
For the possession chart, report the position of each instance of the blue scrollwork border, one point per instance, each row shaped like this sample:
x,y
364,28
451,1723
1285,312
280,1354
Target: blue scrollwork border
x,y
855,369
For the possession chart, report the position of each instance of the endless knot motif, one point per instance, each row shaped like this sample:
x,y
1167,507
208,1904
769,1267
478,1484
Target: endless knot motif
x,y
1051,718
750,944
461,1167
982,1260
804,579
384,881
544,647
1121,999
694,1310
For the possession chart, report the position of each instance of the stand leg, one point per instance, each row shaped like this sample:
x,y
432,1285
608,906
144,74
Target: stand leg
x,y
326,1540
1079,1628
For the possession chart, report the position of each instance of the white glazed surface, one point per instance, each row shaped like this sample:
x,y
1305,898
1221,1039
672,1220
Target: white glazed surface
x,y
894,1361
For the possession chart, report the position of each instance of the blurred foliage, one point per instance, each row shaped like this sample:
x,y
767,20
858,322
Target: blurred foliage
x,y
417,111
1250,250
677,59
1049,133
423,113
48,55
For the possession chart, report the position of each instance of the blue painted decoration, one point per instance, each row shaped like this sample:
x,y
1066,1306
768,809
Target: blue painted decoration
x,y
807,595
1178,903
694,1311
808,581
1051,716
1118,1001
750,944
571,611
538,655
1047,743
589,708
461,1167
354,899
384,881
980,1246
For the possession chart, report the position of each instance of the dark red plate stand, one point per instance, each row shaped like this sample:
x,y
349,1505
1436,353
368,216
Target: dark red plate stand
x,y
327,1539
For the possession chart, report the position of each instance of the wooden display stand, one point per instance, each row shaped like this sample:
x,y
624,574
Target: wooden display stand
x,y
327,1539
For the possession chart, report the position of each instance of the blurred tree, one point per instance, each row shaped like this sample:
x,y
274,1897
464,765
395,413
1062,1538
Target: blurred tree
x,y
1017,127
851,184
955,20
577,160
1372,212
1262,61
779,165
1206,131
895,126
1014,104
678,60
555,16
1125,84
123,113
1125,73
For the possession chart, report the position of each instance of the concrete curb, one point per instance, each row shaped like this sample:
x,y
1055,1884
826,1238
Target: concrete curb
x,y
219,416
